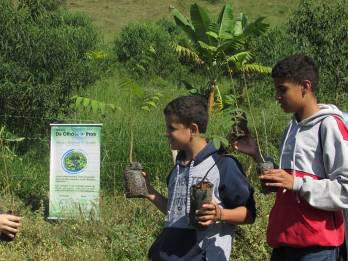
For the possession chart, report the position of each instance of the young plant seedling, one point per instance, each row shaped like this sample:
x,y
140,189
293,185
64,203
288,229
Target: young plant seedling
x,y
135,183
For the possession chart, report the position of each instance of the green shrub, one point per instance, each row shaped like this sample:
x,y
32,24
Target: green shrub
x,y
43,57
273,45
320,29
146,50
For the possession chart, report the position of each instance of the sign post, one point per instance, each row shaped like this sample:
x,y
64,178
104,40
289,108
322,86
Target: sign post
x,y
74,171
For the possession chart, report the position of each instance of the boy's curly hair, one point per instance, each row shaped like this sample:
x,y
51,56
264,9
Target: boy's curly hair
x,y
188,110
297,68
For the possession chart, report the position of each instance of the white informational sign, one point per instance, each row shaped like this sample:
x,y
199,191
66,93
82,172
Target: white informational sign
x,y
74,171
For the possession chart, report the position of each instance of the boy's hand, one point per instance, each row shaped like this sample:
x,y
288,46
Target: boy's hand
x,y
9,224
148,185
208,214
248,146
278,178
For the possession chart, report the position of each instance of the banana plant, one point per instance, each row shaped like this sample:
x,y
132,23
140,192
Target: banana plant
x,y
219,46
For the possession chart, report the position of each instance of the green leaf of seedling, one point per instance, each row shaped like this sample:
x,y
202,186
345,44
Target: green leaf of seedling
x,y
207,46
151,103
187,85
212,34
78,100
145,108
94,106
238,28
137,90
112,107
193,91
140,67
152,50
85,102
216,142
224,141
15,139
102,107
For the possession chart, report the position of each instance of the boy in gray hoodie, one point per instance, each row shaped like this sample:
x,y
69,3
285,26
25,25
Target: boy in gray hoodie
x,y
306,221
198,160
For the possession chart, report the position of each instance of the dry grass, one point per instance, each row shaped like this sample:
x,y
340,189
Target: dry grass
x,y
111,15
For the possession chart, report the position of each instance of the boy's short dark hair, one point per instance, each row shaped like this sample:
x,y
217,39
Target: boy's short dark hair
x,y
297,68
188,110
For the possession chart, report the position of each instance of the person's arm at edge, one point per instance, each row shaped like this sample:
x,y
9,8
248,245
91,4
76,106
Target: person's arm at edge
x,y
157,199
329,193
248,146
211,213
9,224
236,216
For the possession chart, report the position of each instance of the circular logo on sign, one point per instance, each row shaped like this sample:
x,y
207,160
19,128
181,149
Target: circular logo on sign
x,y
74,161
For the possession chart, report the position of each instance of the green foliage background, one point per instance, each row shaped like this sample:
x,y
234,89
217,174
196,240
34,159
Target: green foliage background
x,y
42,60
48,54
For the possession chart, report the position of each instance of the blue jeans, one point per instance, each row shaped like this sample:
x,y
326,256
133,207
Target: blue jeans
x,y
304,254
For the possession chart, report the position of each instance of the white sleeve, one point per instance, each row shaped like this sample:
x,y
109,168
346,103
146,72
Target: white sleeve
x,y
330,193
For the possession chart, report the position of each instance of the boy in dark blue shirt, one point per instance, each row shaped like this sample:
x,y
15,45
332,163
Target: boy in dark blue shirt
x,y
232,203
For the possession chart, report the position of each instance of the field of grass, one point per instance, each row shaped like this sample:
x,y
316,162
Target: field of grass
x,y
111,15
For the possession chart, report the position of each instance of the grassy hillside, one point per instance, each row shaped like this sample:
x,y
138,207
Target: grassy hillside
x,y
111,15
129,226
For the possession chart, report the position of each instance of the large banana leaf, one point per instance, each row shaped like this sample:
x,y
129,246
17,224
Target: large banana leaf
x,y
240,58
184,23
201,22
232,45
209,48
255,68
189,54
225,21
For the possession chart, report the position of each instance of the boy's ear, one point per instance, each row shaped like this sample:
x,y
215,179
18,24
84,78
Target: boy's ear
x,y
194,128
307,85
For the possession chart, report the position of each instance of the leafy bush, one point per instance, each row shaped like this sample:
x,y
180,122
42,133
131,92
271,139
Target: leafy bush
x,y
320,29
146,50
273,45
43,57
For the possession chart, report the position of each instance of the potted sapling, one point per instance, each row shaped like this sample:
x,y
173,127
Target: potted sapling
x,y
200,193
134,180
239,129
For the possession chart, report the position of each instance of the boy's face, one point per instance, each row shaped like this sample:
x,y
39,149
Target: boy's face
x,y
289,95
177,133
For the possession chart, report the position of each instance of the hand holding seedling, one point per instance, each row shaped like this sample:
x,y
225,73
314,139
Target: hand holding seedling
x,y
248,146
208,214
9,224
148,185
278,178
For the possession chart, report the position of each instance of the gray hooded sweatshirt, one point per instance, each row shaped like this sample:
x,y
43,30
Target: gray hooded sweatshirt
x,y
318,146
315,152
